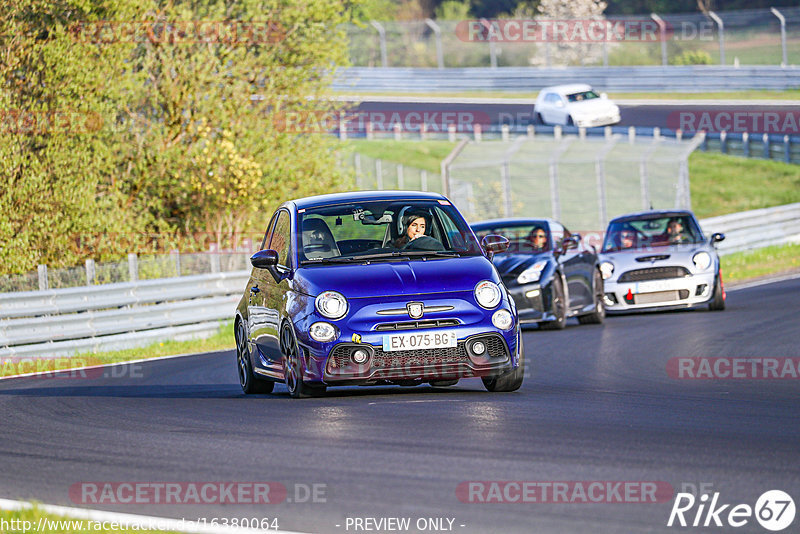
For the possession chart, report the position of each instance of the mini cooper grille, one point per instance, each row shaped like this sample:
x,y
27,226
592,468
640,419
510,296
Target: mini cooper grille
x,y
654,273
412,325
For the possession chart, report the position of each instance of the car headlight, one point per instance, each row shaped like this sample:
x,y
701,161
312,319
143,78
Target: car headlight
x,y
532,273
322,332
488,294
702,260
331,304
606,269
502,319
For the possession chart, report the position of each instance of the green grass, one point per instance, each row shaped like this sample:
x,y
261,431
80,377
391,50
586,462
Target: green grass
x,y
222,340
55,524
791,94
764,261
723,184
427,155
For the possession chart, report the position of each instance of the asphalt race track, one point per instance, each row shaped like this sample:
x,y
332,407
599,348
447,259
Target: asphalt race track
x,y
598,406
642,113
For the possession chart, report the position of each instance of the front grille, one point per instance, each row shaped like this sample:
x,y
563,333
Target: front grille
x,y
660,296
653,273
413,325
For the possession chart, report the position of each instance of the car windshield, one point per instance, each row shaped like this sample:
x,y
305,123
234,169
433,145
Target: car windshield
x,y
531,237
383,230
651,232
582,95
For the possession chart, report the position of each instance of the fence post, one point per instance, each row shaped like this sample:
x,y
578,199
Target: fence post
x,y
451,133
679,134
582,133
746,144
721,25
781,18
382,37
787,149
423,131
556,132
723,141
133,267
476,132
423,179
357,161
215,252
437,32
656,133
177,256
767,153
43,283
342,126
608,132
505,176
492,47
632,134
662,30
379,174
400,181
398,131
370,131
531,131
90,272
504,132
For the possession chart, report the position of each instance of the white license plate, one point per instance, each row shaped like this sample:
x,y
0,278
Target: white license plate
x,y
655,285
420,341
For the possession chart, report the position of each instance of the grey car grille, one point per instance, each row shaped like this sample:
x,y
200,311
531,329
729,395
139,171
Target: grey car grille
x,y
654,273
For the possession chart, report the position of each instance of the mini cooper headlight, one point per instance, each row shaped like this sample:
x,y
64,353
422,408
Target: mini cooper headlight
x,y
532,273
487,293
606,269
702,260
331,304
502,319
323,332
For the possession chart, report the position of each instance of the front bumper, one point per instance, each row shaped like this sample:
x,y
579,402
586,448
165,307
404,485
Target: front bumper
x,y
593,122
533,301
673,293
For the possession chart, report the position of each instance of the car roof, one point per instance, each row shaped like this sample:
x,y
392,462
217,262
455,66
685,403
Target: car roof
x,y
651,214
510,221
567,88
362,196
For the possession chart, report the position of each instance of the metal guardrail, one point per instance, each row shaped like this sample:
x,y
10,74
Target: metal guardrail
x,y
60,322
643,79
756,228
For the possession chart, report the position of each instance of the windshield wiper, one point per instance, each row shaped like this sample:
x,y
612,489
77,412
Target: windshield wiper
x,y
339,259
443,253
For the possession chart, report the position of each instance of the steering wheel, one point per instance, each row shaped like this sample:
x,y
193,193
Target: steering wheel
x,y
424,243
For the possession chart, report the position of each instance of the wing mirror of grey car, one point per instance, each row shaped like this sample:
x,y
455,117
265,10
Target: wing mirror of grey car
x,y
571,241
264,259
494,244
717,237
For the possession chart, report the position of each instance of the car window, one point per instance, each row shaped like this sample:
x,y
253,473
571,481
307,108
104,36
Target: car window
x,y
382,228
521,236
652,231
281,238
582,95
268,233
552,98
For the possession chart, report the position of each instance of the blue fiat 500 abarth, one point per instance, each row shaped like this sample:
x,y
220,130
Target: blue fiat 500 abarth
x,y
375,288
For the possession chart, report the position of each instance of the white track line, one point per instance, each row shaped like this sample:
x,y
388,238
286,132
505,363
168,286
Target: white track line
x,y
530,101
130,520
756,283
100,366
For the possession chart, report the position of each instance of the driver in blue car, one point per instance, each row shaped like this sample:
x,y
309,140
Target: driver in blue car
x,y
412,233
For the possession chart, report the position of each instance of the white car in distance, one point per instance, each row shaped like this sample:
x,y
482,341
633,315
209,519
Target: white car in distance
x,y
575,105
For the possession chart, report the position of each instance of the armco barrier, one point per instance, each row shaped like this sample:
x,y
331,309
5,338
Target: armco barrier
x,y
681,79
756,228
59,322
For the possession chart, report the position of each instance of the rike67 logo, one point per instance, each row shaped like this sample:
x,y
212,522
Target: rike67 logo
x,y
774,510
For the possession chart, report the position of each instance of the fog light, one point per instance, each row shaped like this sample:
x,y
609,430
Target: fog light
x,y
610,299
360,356
323,332
533,293
478,348
701,290
502,319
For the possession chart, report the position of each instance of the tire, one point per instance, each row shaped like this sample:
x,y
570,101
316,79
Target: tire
x,y
510,381
599,313
559,306
247,379
537,119
293,368
717,302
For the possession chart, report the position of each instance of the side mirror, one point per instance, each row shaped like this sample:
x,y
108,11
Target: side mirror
x,y
264,259
494,244
571,241
717,237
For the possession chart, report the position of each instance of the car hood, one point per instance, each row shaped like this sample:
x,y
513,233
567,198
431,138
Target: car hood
x,y
597,105
391,278
656,257
514,264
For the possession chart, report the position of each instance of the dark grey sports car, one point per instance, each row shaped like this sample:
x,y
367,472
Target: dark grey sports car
x,y
548,271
